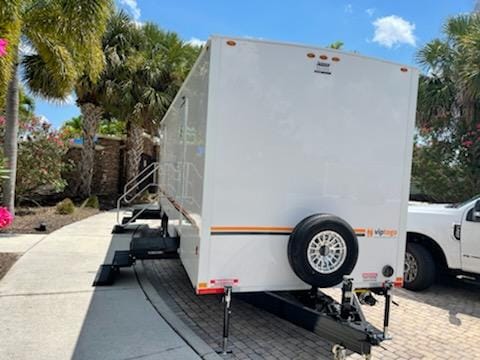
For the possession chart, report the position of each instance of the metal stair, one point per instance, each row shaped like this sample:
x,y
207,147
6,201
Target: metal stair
x,y
131,191
146,242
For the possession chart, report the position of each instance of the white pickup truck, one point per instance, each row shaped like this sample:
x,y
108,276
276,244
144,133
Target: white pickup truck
x,y
442,237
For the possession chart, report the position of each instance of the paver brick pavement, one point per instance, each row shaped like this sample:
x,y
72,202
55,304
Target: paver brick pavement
x,y
440,323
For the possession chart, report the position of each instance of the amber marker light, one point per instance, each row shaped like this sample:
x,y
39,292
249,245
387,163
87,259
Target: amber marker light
x,y
403,69
335,58
323,57
231,43
311,55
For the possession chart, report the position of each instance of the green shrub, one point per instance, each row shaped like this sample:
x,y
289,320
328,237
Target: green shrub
x,y
65,207
92,202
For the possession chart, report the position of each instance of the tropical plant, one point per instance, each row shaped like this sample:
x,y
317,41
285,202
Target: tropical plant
x,y
41,152
151,77
446,164
337,45
63,38
73,128
65,207
93,96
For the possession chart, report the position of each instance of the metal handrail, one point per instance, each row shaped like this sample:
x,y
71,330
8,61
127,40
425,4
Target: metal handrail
x,y
124,196
151,172
119,201
138,175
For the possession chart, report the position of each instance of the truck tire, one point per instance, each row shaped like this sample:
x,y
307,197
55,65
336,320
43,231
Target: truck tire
x,y
420,269
322,249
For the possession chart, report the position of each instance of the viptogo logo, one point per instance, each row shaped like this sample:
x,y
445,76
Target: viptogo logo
x,y
385,232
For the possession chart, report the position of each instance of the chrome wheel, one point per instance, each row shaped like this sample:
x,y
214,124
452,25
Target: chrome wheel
x,y
326,252
411,268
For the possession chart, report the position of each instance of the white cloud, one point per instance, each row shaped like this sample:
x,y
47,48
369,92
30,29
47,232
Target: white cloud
x,y
348,8
133,8
393,30
370,11
196,42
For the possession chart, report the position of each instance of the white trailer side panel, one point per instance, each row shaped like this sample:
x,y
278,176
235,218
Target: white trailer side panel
x,y
182,161
288,138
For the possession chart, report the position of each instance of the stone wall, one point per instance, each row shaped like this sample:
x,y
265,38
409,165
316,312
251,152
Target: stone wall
x,y
109,171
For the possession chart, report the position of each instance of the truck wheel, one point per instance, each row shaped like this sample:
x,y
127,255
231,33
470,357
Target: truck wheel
x,y
322,249
419,272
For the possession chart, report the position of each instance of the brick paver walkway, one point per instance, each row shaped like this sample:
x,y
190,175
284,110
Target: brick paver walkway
x,y
442,323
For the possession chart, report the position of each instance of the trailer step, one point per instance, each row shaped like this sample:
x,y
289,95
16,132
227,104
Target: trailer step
x,y
148,214
146,243
149,244
105,276
122,258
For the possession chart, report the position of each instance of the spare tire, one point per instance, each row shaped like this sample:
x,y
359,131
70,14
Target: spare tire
x,y
322,249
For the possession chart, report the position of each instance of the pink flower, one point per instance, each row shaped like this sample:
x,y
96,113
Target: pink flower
x,y
6,217
467,143
3,47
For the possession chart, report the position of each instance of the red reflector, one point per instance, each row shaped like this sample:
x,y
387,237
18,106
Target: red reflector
x,y
403,69
210,291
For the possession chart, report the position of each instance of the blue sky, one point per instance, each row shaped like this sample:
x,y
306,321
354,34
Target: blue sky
x,y
388,29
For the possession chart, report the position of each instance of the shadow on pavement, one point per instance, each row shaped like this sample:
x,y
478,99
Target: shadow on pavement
x,y
121,324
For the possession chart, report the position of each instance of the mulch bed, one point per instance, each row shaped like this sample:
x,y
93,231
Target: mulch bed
x,y
27,219
6,262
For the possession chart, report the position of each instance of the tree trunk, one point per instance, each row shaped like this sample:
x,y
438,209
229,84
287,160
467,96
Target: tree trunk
x,y
11,140
92,114
134,146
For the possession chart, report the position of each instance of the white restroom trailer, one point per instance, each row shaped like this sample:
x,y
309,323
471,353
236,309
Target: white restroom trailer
x,y
263,135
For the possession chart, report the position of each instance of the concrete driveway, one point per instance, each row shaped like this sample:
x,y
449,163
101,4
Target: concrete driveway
x,y
49,309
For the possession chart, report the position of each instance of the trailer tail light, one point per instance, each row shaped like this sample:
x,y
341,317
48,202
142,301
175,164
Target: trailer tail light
x,y
210,291
323,57
231,43
311,55
398,283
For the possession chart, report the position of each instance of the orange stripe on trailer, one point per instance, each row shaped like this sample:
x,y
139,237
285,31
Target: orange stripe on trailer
x,y
210,291
251,228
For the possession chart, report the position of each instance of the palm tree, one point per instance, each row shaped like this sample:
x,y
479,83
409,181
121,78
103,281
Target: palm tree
x,y
26,106
64,36
73,127
448,110
93,96
337,45
154,75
